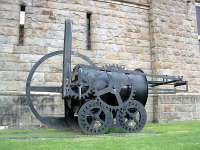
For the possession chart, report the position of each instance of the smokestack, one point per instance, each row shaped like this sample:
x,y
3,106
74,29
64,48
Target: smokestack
x,y
67,55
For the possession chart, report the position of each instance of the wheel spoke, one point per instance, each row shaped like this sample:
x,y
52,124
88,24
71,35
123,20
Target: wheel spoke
x,y
99,112
103,91
119,100
54,89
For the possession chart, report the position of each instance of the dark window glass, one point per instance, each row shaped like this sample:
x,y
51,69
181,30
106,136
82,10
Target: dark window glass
x,y
88,15
21,24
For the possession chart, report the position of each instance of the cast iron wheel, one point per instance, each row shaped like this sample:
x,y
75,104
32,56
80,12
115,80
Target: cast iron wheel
x,y
93,118
131,117
30,89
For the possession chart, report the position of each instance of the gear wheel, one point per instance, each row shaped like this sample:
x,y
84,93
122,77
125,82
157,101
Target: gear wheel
x,y
73,89
113,67
93,118
101,96
110,97
132,116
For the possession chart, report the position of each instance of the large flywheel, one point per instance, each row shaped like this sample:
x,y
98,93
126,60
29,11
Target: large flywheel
x,y
32,90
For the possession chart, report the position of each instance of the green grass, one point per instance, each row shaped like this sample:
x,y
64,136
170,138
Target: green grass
x,y
176,136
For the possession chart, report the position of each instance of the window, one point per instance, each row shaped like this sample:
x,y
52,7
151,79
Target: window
x,y
88,36
21,24
198,20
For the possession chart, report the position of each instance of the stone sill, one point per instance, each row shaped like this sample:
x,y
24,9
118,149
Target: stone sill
x,y
177,94
138,3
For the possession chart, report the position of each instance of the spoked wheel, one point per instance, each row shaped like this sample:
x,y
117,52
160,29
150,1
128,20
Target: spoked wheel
x,y
30,90
93,118
132,116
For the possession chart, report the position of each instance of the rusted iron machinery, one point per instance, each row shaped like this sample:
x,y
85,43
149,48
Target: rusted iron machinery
x,y
100,97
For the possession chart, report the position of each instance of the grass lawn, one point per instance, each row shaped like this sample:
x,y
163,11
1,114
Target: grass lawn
x,y
176,136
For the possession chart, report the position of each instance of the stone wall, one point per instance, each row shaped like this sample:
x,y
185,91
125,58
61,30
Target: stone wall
x,y
175,50
117,36
157,36
176,107
14,111
174,44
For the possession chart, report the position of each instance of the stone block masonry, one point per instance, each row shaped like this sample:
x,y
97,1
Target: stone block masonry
x,y
177,107
159,37
14,111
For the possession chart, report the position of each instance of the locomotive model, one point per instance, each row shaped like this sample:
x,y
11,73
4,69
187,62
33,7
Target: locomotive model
x,y
100,97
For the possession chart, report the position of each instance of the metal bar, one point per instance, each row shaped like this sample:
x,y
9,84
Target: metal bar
x,y
67,55
157,83
54,89
180,83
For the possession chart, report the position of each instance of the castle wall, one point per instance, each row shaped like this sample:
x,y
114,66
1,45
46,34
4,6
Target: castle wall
x,y
175,48
157,36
